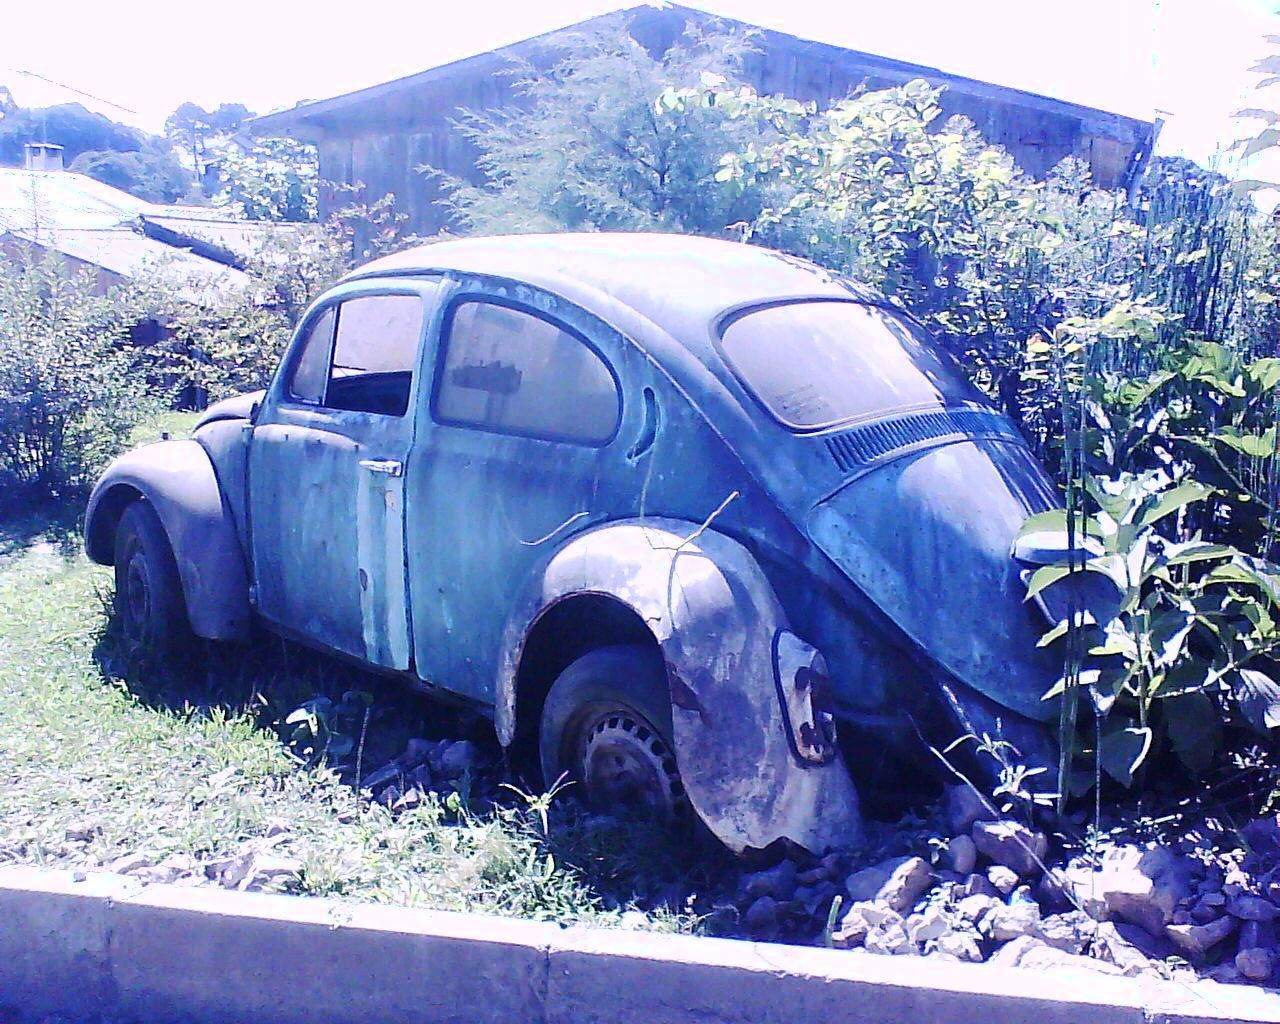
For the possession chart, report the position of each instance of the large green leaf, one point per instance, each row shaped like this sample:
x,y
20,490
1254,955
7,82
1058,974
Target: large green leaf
x,y
1173,499
1257,446
1197,551
1122,752
1055,520
1258,696
1194,726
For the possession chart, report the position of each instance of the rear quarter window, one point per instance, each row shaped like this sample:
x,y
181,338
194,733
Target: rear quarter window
x,y
511,371
820,364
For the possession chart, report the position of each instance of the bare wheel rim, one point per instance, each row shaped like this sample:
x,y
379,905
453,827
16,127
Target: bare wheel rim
x,y
627,766
137,593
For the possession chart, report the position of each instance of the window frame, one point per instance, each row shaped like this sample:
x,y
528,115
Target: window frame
x,y
334,302
442,353
297,350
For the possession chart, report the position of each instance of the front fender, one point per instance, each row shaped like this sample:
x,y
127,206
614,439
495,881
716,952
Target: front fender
x,y
716,619
178,479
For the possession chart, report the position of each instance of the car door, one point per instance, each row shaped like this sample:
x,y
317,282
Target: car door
x,y
518,436
326,473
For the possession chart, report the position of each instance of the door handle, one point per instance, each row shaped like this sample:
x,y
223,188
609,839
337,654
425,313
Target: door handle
x,y
389,467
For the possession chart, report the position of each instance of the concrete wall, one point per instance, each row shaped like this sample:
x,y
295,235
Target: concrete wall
x,y
107,945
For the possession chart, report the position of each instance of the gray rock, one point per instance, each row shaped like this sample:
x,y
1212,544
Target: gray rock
x,y
1011,845
1197,939
267,870
890,938
82,831
1252,908
778,882
976,885
1140,885
972,908
1052,891
962,854
1031,952
851,931
762,916
963,945
1256,964
416,753
816,899
1111,947
963,806
130,864
376,779
173,867
813,876
877,914
1005,922
1003,879
927,926
1071,932
899,883
1257,935
859,920
455,759
1225,973
1156,947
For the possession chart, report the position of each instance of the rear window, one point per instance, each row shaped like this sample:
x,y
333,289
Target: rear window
x,y
819,364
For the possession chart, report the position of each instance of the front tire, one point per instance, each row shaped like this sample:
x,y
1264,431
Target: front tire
x,y
149,601
606,723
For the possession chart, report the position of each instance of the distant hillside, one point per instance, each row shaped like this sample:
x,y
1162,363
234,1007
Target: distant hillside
x,y
141,164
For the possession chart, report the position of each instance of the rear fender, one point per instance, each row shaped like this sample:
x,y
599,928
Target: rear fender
x,y
718,624
178,479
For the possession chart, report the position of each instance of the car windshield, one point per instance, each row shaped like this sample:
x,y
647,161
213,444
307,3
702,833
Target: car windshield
x,y
815,364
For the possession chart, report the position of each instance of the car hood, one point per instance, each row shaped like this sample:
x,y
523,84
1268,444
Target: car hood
x,y
928,538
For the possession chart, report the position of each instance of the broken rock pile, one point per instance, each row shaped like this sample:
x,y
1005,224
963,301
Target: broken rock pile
x,y
997,894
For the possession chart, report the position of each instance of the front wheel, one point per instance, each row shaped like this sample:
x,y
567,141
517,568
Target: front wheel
x,y
607,724
149,601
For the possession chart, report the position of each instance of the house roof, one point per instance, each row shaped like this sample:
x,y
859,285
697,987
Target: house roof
x,y
198,250
128,255
494,60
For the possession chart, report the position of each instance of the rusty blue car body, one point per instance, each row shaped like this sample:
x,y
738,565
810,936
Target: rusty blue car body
x,y
764,470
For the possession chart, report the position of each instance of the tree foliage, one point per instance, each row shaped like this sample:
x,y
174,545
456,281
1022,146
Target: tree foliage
x,y
276,180
588,149
70,382
200,134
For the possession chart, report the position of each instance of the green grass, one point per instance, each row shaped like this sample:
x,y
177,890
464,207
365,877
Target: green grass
x,y
141,759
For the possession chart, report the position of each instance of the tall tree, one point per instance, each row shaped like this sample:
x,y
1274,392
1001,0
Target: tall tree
x,y
590,149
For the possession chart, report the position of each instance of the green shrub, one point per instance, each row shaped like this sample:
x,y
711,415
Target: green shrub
x,y
70,386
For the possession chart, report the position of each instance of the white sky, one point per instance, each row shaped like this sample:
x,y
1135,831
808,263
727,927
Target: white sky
x,y
1188,58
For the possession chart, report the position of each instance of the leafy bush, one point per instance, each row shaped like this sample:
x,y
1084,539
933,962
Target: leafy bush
x,y
235,347
588,149
70,389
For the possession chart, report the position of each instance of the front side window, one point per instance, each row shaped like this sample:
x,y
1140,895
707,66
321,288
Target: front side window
x,y
311,367
514,372
819,364
374,352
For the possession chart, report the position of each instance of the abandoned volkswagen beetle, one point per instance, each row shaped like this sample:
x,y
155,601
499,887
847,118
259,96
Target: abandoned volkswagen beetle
x,y
673,510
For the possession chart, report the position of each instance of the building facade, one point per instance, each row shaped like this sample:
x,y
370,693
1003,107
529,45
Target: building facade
x,y
382,135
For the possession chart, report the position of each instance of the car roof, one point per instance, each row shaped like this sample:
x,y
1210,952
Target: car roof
x,y
680,283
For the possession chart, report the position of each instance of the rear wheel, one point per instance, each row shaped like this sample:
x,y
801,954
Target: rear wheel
x,y
607,724
149,601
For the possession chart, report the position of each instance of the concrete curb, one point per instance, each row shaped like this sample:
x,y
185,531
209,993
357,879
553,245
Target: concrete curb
x,y
161,953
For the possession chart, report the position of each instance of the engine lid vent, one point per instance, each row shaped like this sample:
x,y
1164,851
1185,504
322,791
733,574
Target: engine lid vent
x,y
862,445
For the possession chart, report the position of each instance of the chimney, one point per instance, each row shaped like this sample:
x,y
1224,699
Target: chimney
x,y
43,156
